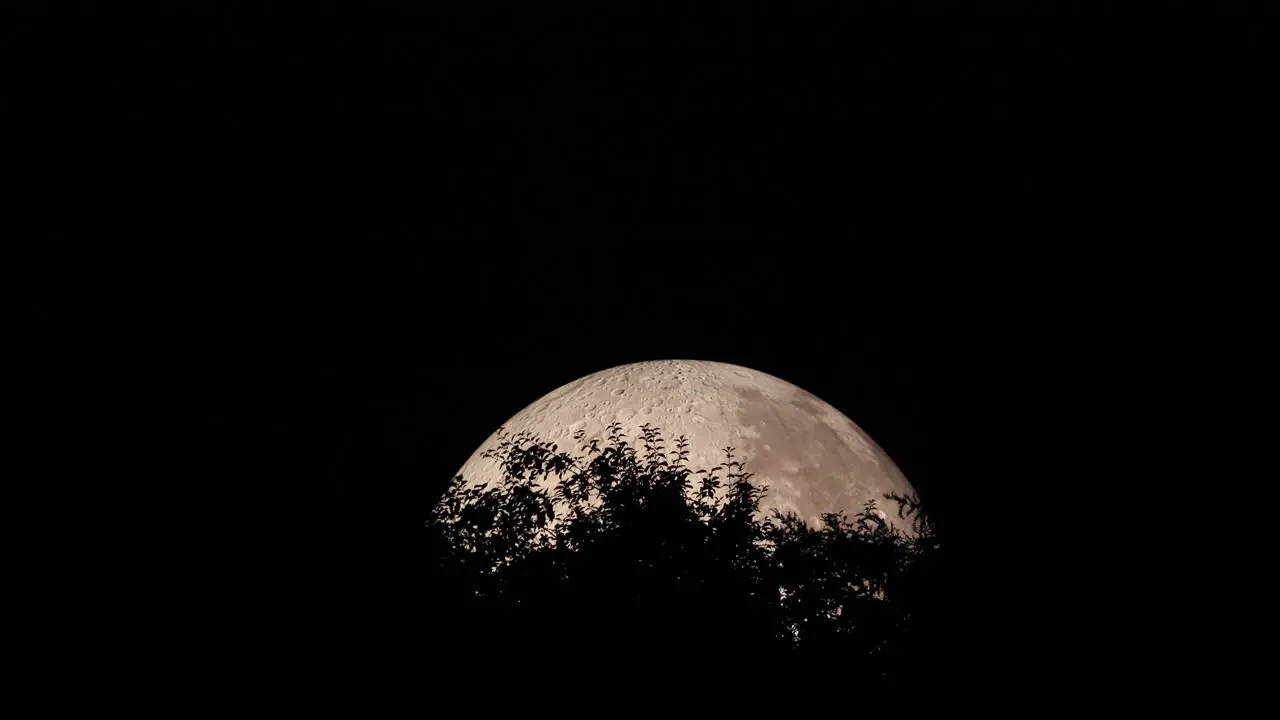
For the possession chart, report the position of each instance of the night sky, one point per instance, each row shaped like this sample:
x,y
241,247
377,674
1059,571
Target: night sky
x,y
327,256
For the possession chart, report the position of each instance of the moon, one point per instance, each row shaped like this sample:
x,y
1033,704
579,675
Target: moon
x,y
809,458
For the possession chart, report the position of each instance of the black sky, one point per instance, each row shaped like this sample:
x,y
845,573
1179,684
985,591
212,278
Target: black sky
x,y
289,267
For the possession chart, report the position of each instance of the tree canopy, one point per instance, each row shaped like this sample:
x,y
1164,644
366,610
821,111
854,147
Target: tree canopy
x,y
621,553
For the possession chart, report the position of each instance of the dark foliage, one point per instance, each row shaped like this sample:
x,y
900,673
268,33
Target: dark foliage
x,y
623,556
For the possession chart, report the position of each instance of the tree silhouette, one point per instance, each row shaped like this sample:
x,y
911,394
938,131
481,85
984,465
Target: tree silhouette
x,y
623,552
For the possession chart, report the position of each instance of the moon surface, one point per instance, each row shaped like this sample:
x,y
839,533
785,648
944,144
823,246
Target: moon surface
x,y
809,457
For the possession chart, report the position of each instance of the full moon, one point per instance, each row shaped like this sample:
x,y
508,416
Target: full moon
x,y
809,458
